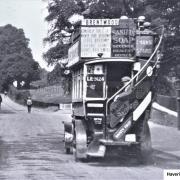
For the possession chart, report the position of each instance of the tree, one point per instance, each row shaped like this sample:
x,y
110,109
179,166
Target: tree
x,y
161,12
57,77
42,82
59,12
168,13
16,60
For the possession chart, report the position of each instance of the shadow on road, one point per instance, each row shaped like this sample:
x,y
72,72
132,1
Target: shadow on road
x,y
4,153
115,162
7,112
124,157
158,159
166,160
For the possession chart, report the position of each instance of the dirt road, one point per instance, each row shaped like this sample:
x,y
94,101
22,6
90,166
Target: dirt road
x,y
31,148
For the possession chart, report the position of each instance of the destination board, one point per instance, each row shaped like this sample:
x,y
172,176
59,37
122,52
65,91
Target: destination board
x,y
100,22
123,39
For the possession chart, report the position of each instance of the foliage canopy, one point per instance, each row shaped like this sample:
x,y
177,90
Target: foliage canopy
x,y
16,60
158,12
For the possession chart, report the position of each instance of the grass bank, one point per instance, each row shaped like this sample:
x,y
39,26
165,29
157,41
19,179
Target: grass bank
x,y
42,97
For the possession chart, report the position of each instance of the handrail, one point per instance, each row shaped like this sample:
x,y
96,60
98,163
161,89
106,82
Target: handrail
x,y
140,71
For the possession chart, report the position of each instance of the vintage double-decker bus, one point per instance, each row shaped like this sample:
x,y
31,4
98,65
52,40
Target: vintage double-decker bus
x,y
114,64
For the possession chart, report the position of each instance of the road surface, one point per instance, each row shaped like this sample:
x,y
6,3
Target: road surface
x,y
31,148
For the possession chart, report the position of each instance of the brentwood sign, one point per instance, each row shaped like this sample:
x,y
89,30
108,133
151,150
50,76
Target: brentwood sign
x,y
100,22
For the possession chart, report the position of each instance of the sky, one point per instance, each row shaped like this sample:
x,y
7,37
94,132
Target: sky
x,y
28,15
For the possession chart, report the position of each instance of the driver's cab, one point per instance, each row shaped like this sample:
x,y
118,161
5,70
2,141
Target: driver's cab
x,y
96,81
103,77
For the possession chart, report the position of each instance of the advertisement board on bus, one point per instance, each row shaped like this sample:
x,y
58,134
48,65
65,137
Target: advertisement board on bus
x,y
95,40
123,39
73,54
144,46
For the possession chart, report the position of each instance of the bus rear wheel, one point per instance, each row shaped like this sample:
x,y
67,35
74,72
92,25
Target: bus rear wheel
x,y
144,149
79,141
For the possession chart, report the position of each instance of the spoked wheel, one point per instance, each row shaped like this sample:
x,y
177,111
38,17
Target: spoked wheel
x,y
145,147
79,142
144,150
74,148
68,139
77,156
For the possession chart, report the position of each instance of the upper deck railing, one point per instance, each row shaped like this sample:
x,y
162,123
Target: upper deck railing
x,y
144,67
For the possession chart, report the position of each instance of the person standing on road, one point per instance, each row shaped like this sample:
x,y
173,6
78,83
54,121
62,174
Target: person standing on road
x,y
5,93
29,104
0,101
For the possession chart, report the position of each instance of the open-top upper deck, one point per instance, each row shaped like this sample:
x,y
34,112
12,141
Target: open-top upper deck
x,y
110,39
